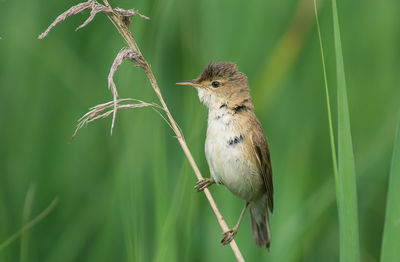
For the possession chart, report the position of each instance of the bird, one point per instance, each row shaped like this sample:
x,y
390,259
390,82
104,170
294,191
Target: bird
x,y
236,148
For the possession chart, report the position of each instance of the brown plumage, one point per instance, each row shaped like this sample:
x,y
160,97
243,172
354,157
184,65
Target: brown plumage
x,y
237,150
220,70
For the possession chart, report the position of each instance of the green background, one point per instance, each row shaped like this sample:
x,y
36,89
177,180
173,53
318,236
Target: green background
x,y
129,196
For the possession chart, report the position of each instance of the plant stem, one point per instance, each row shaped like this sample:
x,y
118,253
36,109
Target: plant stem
x,y
127,35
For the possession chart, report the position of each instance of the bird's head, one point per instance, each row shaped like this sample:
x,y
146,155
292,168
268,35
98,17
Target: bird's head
x,y
221,84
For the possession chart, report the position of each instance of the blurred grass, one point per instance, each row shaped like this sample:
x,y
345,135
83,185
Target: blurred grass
x,y
391,235
26,213
27,225
129,197
340,201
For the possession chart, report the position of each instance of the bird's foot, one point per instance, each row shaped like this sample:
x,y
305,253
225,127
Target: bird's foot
x,y
228,236
203,184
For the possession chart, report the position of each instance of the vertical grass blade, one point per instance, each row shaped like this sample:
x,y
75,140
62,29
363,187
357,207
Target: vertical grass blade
x,y
328,103
26,214
391,233
345,178
346,182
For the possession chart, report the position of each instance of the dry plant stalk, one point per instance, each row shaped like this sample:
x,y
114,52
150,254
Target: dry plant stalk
x,y
121,19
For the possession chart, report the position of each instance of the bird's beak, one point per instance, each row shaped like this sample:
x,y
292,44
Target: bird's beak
x,y
186,83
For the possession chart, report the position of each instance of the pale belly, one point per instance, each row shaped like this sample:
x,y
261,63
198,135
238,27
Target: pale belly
x,y
228,163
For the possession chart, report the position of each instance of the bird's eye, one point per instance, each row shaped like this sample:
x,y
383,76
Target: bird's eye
x,y
215,84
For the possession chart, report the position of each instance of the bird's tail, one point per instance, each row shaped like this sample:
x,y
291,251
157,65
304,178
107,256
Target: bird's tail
x,y
260,224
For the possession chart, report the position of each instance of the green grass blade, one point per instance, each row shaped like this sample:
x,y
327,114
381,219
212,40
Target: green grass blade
x,y
26,214
29,225
346,182
344,172
391,233
328,103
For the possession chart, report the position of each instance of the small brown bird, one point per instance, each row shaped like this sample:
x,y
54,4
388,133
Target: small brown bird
x,y
236,149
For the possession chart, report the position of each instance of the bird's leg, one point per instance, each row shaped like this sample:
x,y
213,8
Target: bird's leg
x,y
230,234
203,184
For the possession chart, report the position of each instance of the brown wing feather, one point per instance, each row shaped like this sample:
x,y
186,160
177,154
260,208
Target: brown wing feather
x,y
261,151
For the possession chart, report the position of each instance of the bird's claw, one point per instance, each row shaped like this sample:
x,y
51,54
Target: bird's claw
x,y
228,236
203,184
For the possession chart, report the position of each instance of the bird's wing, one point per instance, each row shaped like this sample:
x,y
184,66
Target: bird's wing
x,y
262,155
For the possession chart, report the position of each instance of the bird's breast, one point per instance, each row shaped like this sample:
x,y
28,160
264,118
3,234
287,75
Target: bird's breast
x,y
226,153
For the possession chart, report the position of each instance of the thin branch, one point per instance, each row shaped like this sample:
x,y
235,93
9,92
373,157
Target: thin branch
x,y
123,54
121,20
100,111
96,8
130,13
76,9
163,117
122,27
30,224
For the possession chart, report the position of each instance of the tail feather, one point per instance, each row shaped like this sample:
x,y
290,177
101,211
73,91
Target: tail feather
x,y
260,225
